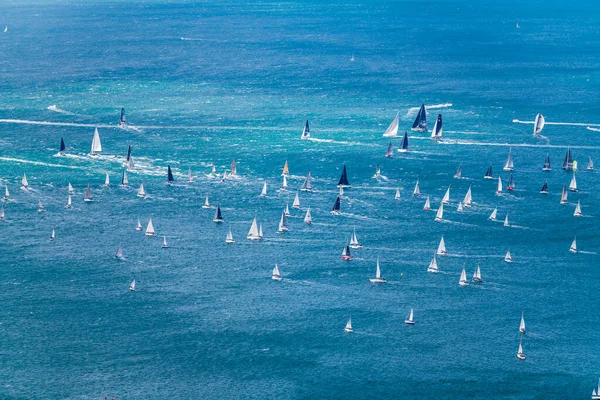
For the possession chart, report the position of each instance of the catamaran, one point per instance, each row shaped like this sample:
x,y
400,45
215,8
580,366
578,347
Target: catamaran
x,y
520,354
296,203
52,235
70,189
229,238
122,120
119,253
377,172
69,202
348,328
573,248
106,180
409,319
417,191
233,168
336,207
436,132
170,179
577,212
378,278
124,179
164,244
403,148
492,216
283,223
263,193
392,130
389,153
308,217
538,124
499,187
190,176
477,276
132,286
488,173
446,198
568,162
253,233
441,251
305,131
307,185
206,203
354,243
544,189
87,197
218,216
139,226
284,185
433,267
343,182
96,145
440,213
508,165
286,169
63,148
508,258
511,183
276,275
150,228
24,183
458,173
564,195
427,205
397,195
40,206
346,255
573,184
590,164
468,200
547,166
463,278
506,220
420,124
141,191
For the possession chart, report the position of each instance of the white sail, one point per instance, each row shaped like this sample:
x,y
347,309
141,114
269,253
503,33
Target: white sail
x,y
287,210
354,243
506,220
139,226
463,278
52,235
378,278
377,171
164,244
492,216
150,228
341,191
132,286
284,185
446,198
129,163
427,205
24,182
233,168
436,132
106,180
2,213
539,122
70,189
124,179
348,327
308,217
477,275
296,203
417,191
499,188
590,164
573,248
6,192
468,199
260,232
460,206
96,145
433,267
439,216
213,169
40,206
282,223
564,195
88,194
522,324
190,176
397,196
119,253
577,212
508,165
392,130
410,318
264,190
508,257
69,202
276,275
573,184
442,247
206,203
141,191
229,238
253,232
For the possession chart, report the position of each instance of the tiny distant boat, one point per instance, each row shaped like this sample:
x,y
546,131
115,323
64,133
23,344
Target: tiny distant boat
x,y
378,278
564,195
336,207
24,182
119,253
346,255
433,267
590,164
420,124
436,132
520,354
377,171
70,189
128,156
508,258
417,191
106,180
568,162
477,276
506,220
308,217
409,319
509,165
341,191
283,224
170,179
463,278
286,169
518,25
492,216
69,202
141,191
343,182
440,213
5,29
458,173
287,210
427,205
253,233
229,238
596,392
233,168
392,130
260,231
164,244
129,164
124,179
499,187
263,193
511,183
460,206
403,148
352,58
284,185
441,251
577,212
139,226
488,173
63,148
544,189
468,200
573,184
206,203
276,275
190,176
218,216
40,206
2,213
573,248
397,195
307,185
348,328
150,229
52,235
96,145
132,286
539,122
354,243
213,170
296,203
305,131
6,192
122,120
446,198
87,197
547,166
389,153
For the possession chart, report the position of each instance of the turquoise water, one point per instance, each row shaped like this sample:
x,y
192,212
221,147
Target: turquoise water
x,y
210,82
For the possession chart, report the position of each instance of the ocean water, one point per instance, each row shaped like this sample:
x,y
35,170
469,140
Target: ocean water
x,y
214,81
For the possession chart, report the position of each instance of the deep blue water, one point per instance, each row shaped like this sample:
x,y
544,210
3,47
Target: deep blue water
x,y
209,82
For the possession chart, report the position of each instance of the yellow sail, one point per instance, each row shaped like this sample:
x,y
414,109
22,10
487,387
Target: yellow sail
x,y
574,165
286,169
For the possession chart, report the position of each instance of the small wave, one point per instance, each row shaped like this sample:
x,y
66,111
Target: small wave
x,y
517,121
589,128
342,142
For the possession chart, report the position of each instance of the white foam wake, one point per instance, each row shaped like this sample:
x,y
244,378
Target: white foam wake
x,y
587,124
22,161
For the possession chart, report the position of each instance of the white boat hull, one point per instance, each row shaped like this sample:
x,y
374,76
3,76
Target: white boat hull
x,y
377,280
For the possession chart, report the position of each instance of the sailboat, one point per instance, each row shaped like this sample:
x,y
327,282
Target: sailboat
x,y
499,188
409,319
460,206
417,191
596,392
260,232
284,185
508,258
397,195
263,193
573,184
124,179
40,206
420,124
568,162
213,170
348,328
63,148
463,278
564,195
573,248
389,153
520,354
128,156
218,216
164,244
287,210
308,217
170,179
70,189
132,286
6,192
511,183
2,213
141,191
392,130
150,229
492,216
106,180
488,173
119,253
590,164
296,203
336,207
544,189
436,132
440,213
129,164
352,58
52,235
139,226
378,278
354,243
477,276
446,198
283,224
547,166
427,205
433,267
538,123
305,131
6,29
69,202
276,275
190,176
506,220
206,203
87,197
508,165
577,212
286,169
403,148
233,168
377,172
458,173
441,251
343,182
253,233
229,238
307,185
96,145
122,120
468,200
341,191
24,183
346,255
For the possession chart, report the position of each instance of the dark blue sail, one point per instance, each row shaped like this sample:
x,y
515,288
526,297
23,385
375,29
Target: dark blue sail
x,y
544,188
128,153
344,179
218,216
122,120
404,142
420,123
511,183
170,178
389,153
488,173
337,205
568,163
547,163
62,145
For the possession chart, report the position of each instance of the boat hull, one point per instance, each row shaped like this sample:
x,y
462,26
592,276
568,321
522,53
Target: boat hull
x,y
276,277
408,322
377,280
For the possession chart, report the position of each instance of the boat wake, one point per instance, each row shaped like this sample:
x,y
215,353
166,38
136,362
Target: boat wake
x,y
586,252
517,121
342,142
22,161
413,110
58,110
589,128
